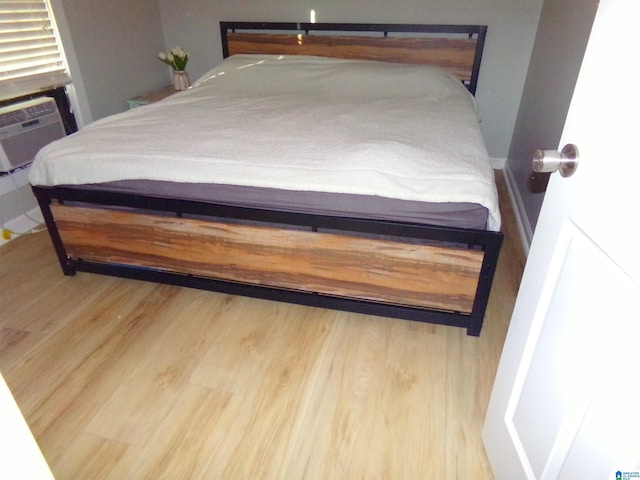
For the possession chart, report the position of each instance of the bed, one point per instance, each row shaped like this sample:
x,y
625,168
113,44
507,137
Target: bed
x,y
331,165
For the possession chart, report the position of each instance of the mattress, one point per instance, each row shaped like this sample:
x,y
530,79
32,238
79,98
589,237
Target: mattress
x,y
325,131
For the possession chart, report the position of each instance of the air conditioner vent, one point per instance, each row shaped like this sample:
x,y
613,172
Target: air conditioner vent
x,y
25,128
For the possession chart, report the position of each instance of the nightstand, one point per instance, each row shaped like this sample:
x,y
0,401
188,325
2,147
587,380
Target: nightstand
x,y
151,97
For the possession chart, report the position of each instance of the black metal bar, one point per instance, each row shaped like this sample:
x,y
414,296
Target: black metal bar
x,y
161,204
475,73
353,27
487,273
44,202
224,29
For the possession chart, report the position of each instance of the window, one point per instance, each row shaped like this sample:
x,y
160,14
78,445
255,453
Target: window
x,y
30,57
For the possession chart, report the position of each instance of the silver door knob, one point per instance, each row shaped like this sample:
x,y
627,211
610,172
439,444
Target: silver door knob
x,y
565,161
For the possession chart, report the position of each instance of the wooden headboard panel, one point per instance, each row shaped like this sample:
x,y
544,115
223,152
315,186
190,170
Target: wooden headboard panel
x,y
458,48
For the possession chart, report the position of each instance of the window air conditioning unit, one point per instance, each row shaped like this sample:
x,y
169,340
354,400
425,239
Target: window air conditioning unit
x,y
25,128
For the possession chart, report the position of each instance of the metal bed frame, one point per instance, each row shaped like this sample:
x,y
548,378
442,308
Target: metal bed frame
x,y
488,242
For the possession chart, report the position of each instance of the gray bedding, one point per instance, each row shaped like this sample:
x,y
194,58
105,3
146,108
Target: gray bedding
x,y
462,215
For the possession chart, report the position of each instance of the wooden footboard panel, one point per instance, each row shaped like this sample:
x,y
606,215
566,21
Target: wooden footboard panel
x,y
363,268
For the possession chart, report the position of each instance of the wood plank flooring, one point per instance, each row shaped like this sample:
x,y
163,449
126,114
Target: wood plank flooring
x,y
121,379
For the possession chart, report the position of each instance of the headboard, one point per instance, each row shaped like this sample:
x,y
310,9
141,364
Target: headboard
x,y
457,48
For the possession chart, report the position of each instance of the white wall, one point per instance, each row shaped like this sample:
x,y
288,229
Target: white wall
x,y
194,24
15,202
112,46
557,55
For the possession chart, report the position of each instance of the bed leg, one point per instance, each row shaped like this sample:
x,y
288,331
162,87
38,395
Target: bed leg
x,y
45,207
485,280
474,327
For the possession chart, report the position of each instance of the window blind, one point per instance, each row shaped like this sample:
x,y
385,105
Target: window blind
x,y
30,57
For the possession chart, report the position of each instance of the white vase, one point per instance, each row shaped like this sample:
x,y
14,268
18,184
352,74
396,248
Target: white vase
x,y
180,80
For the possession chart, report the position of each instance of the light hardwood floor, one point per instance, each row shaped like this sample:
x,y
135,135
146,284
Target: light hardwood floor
x,y
122,379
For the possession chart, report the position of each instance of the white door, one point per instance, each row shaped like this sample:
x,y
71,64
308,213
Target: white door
x,y
566,400
20,456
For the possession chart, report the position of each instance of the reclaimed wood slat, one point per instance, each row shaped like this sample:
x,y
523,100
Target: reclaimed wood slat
x,y
454,54
394,272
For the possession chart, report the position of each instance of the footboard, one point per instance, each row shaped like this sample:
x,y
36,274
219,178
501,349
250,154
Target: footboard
x,y
410,271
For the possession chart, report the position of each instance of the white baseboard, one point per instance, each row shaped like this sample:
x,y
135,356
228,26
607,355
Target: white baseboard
x,y
498,163
522,221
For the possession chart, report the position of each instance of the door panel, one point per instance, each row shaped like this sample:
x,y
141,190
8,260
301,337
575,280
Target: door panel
x,y
571,358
